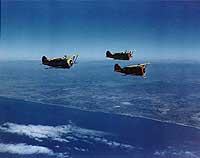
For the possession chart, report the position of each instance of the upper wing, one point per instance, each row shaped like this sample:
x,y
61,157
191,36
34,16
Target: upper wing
x,y
138,65
61,57
132,66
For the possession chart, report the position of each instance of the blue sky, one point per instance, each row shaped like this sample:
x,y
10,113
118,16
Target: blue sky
x,y
155,29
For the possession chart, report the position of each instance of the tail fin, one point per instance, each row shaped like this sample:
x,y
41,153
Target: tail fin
x,y
117,68
109,54
44,60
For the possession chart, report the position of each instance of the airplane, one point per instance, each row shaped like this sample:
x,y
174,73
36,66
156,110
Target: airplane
x,y
60,62
126,55
136,70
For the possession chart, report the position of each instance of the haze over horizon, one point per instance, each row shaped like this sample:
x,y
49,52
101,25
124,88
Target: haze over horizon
x,y
155,29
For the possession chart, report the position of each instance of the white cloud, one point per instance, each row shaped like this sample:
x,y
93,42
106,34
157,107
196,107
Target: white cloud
x,y
176,152
190,154
64,133
24,149
56,133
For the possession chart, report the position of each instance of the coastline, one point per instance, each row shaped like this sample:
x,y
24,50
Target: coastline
x,y
103,112
137,135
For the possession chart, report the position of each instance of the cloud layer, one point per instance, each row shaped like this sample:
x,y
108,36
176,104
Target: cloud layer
x,y
69,133
39,132
24,149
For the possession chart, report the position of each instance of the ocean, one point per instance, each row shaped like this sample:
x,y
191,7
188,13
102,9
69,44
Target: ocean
x,y
91,111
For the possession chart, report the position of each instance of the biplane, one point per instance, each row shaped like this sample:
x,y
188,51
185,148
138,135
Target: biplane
x,y
126,55
60,62
137,70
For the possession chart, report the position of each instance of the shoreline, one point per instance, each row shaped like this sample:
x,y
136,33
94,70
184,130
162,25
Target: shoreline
x,y
118,114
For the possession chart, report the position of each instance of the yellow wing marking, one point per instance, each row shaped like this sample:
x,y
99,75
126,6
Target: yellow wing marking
x,y
135,65
64,57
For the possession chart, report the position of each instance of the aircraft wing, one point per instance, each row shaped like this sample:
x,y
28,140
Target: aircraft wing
x,y
138,65
61,57
71,57
133,66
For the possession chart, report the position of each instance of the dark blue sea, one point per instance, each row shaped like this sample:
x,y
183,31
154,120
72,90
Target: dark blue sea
x,y
92,112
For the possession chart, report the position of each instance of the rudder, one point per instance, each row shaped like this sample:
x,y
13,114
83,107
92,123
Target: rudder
x,y
44,60
109,54
117,68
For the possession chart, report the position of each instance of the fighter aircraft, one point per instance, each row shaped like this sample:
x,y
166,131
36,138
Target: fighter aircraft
x,y
137,70
126,55
60,62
